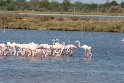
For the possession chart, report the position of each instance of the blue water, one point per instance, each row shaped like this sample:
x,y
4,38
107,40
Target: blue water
x,y
80,16
106,65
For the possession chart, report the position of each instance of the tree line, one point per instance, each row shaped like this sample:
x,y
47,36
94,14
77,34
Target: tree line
x,y
65,6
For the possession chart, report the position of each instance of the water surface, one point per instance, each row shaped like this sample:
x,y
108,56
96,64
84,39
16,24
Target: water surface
x,y
79,16
106,66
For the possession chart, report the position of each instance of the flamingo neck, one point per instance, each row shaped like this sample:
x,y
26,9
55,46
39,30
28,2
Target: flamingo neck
x,y
79,44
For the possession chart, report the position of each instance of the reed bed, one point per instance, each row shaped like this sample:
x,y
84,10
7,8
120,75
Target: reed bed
x,y
16,21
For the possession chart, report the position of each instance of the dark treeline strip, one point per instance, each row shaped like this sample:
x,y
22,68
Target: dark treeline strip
x,y
65,6
16,21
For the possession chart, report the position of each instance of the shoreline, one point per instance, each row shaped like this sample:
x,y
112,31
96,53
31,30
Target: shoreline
x,y
60,30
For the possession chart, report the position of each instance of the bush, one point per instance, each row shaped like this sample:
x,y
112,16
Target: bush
x,y
115,9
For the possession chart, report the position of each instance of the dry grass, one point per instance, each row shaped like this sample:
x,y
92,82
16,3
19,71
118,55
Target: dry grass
x,y
51,23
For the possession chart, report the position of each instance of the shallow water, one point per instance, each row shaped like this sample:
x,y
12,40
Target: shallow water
x,y
106,65
80,16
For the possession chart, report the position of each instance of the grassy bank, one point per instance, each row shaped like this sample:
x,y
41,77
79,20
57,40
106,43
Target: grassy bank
x,y
17,21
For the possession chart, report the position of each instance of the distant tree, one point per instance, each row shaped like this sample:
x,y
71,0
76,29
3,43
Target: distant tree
x,y
77,6
44,4
44,1
115,9
2,3
55,6
66,4
11,7
9,1
122,4
113,3
21,0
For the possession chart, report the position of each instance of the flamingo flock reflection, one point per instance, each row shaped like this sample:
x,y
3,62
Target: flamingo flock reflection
x,y
56,49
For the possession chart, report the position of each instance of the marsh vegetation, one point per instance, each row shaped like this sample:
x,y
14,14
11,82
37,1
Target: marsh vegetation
x,y
17,21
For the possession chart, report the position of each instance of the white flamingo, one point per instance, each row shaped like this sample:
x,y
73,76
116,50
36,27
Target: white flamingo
x,y
87,49
55,41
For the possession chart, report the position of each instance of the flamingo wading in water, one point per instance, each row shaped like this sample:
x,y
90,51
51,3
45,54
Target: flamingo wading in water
x,y
87,49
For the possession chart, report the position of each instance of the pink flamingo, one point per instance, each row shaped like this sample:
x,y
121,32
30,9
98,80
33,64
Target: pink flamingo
x,y
87,49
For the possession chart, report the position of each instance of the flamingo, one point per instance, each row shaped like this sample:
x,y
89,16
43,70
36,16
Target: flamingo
x,y
87,49
69,49
55,41
46,49
2,49
58,48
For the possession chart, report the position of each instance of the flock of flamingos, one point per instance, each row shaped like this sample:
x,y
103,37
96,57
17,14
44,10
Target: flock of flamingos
x,y
32,49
